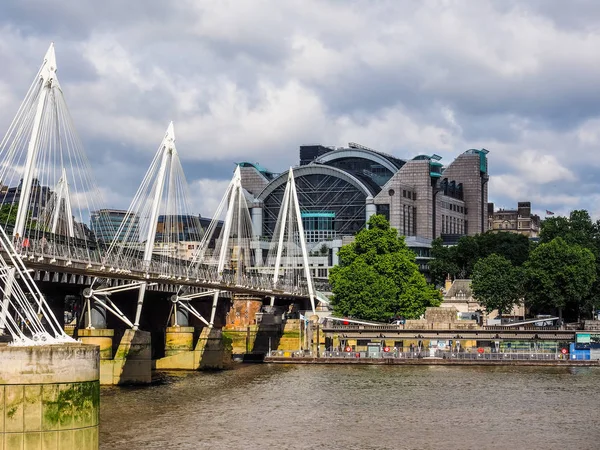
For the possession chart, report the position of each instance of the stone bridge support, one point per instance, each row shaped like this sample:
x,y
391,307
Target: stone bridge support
x,y
49,397
132,361
211,352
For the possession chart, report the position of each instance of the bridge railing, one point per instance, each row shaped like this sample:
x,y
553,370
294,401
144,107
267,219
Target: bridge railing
x,y
34,249
472,355
521,328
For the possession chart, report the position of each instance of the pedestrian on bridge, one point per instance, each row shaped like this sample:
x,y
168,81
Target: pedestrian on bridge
x,y
43,243
17,242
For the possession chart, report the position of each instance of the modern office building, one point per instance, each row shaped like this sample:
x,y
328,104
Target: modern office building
x,y
172,228
105,225
340,188
177,236
518,220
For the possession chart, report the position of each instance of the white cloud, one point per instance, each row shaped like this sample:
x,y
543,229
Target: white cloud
x,y
540,168
254,80
206,195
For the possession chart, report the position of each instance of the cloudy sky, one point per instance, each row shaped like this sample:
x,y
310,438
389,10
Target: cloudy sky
x,y
253,80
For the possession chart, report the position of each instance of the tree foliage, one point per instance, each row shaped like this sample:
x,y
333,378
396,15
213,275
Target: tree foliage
x,y
459,261
8,214
560,276
578,229
377,277
497,284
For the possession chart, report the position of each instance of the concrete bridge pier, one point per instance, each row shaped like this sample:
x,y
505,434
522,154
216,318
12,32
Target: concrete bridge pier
x,y
179,339
49,397
210,353
183,317
96,332
179,336
132,361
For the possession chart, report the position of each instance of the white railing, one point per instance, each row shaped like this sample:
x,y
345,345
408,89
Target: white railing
x,y
173,269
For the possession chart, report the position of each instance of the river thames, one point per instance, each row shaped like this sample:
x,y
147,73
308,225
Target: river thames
x,y
358,407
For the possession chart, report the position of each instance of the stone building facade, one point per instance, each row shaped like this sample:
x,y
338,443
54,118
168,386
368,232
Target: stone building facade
x,y
459,296
436,201
518,220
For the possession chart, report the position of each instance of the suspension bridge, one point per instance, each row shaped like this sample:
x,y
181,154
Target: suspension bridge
x,y
51,212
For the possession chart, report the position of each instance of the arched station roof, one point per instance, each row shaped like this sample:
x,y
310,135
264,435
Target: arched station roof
x,y
315,169
389,162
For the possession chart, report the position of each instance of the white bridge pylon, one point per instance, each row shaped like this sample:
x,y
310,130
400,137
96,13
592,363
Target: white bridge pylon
x,y
231,232
288,256
162,199
48,189
48,193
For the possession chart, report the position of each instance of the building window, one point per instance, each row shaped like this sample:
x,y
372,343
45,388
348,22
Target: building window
x,y
384,210
414,211
318,225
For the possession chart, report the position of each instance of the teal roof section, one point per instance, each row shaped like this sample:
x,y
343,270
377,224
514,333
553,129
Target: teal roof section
x,y
257,166
482,158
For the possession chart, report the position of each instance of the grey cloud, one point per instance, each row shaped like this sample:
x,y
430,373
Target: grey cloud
x,y
380,61
76,20
578,16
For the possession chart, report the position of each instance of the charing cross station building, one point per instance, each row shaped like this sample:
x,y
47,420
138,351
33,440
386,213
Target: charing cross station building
x,y
340,188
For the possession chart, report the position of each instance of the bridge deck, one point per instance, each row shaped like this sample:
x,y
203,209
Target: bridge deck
x,y
204,277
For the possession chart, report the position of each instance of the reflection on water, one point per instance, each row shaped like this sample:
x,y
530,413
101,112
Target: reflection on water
x,y
358,407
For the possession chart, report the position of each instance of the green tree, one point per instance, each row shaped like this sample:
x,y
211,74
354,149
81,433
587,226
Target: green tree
x,y
512,246
8,214
377,277
497,284
560,276
578,229
459,261
443,262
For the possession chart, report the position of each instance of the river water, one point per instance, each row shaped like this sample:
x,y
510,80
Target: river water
x,y
358,407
